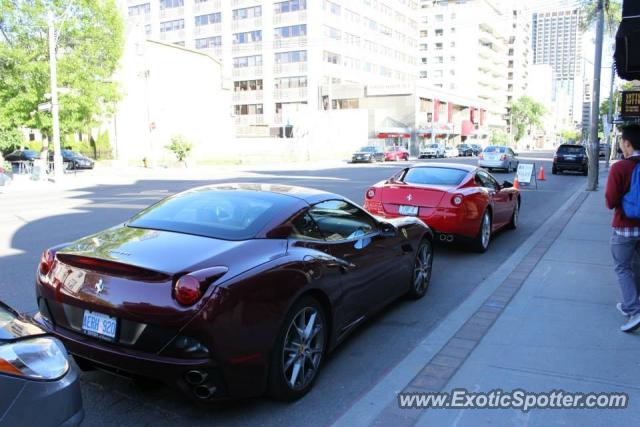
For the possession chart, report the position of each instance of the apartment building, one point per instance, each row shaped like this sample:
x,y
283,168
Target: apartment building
x,y
463,48
285,56
557,41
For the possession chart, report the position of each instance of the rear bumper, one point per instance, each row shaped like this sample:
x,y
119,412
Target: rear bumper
x,y
571,166
498,164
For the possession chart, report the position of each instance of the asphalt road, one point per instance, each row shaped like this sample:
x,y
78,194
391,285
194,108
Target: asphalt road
x,y
29,224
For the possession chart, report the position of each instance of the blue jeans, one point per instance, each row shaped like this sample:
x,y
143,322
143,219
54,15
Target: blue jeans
x,y
624,251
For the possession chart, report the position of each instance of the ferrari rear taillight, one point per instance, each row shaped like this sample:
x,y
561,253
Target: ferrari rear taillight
x,y
503,157
457,199
187,290
46,261
481,156
371,193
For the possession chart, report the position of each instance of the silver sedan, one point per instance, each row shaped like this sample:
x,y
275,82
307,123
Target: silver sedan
x,y
498,157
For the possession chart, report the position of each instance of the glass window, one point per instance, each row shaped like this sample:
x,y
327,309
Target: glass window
x,y
571,149
434,176
293,56
169,4
289,6
208,42
339,220
247,61
247,37
487,180
211,18
220,214
493,149
140,9
304,227
176,25
292,31
247,12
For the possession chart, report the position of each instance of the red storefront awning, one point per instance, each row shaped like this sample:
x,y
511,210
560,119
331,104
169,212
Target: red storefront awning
x,y
394,135
467,128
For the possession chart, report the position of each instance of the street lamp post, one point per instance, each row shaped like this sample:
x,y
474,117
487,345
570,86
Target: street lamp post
x,y
594,145
55,110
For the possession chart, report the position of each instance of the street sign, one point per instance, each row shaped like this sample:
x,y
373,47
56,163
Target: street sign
x,y
46,106
630,104
525,173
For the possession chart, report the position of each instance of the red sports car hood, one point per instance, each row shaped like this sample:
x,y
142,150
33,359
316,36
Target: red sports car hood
x,y
428,196
171,253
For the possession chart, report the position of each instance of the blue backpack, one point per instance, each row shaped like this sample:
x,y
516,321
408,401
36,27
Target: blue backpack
x,y
631,200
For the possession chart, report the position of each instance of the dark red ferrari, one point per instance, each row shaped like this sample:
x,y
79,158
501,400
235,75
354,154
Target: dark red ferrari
x,y
457,201
230,290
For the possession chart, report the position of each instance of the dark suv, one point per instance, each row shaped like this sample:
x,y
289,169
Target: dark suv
x,y
570,157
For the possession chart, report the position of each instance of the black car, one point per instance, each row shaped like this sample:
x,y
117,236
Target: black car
x,y
73,160
22,156
477,149
570,157
38,385
368,154
464,150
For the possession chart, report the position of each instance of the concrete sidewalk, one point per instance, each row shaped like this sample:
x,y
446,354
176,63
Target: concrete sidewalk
x,y
548,323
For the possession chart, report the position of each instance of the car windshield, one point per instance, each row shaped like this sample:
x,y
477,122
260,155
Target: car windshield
x,y
571,149
30,153
220,214
495,150
69,153
462,146
368,149
433,146
434,176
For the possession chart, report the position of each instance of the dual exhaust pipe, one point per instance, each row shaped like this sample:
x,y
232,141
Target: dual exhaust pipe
x,y
446,238
201,388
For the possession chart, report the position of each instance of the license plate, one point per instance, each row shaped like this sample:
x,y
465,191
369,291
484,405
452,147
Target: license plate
x,y
408,210
99,325
569,157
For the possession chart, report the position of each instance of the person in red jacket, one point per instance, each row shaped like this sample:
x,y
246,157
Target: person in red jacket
x,y
625,240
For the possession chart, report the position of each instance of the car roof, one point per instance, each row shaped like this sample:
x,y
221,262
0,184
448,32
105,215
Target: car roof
x,y
571,145
460,166
309,195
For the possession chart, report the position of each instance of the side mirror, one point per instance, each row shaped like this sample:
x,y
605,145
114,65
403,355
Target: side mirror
x,y
507,184
387,229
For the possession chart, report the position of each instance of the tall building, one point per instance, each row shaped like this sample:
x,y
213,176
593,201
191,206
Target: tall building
x,y
557,41
464,48
285,56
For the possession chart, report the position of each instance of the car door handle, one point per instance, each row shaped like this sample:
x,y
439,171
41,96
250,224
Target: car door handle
x,y
331,261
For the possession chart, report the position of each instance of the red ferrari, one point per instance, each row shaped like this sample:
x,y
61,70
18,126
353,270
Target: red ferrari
x,y
395,154
457,201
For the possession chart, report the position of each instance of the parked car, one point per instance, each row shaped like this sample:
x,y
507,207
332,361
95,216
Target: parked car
x,y
22,156
395,154
498,157
570,157
37,384
73,160
464,150
368,154
477,149
603,149
451,152
230,290
432,150
457,201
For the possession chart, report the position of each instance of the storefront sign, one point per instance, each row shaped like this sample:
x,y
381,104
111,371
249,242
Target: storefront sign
x,y
630,104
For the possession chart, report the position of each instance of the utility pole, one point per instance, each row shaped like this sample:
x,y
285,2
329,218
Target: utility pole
x,y
55,108
610,116
594,145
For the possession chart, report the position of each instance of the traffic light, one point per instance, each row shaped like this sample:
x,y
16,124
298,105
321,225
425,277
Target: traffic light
x,y
627,54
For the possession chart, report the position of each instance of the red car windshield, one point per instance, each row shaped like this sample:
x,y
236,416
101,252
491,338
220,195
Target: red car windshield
x,y
434,176
227,215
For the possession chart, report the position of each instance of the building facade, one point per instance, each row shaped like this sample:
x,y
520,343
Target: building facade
x,y
557,41
464,48
285,56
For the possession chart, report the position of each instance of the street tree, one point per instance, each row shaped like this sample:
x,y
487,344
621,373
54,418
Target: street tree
x,y
89,46
499,137
526,114
612,16
569,135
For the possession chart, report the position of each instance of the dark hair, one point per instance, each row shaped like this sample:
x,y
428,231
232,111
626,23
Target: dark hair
x,y
631,133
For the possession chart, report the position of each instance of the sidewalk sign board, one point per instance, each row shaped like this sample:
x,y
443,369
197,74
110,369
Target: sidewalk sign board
x,y
527,173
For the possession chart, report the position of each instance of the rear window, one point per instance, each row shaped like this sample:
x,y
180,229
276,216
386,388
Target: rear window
x,y
220,214
495,150
571,149
434,176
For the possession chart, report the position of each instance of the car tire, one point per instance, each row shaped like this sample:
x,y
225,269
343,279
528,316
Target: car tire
x,y
282,371
423,267
554,171
513,224
483,239
585,172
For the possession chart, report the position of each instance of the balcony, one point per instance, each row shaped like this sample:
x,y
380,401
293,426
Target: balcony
x,y
291,94
248,97
250,119
172,13
246,24
292,69
290,42
245,3
290,18
247,72
207,30
172,36
209,6
245,48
